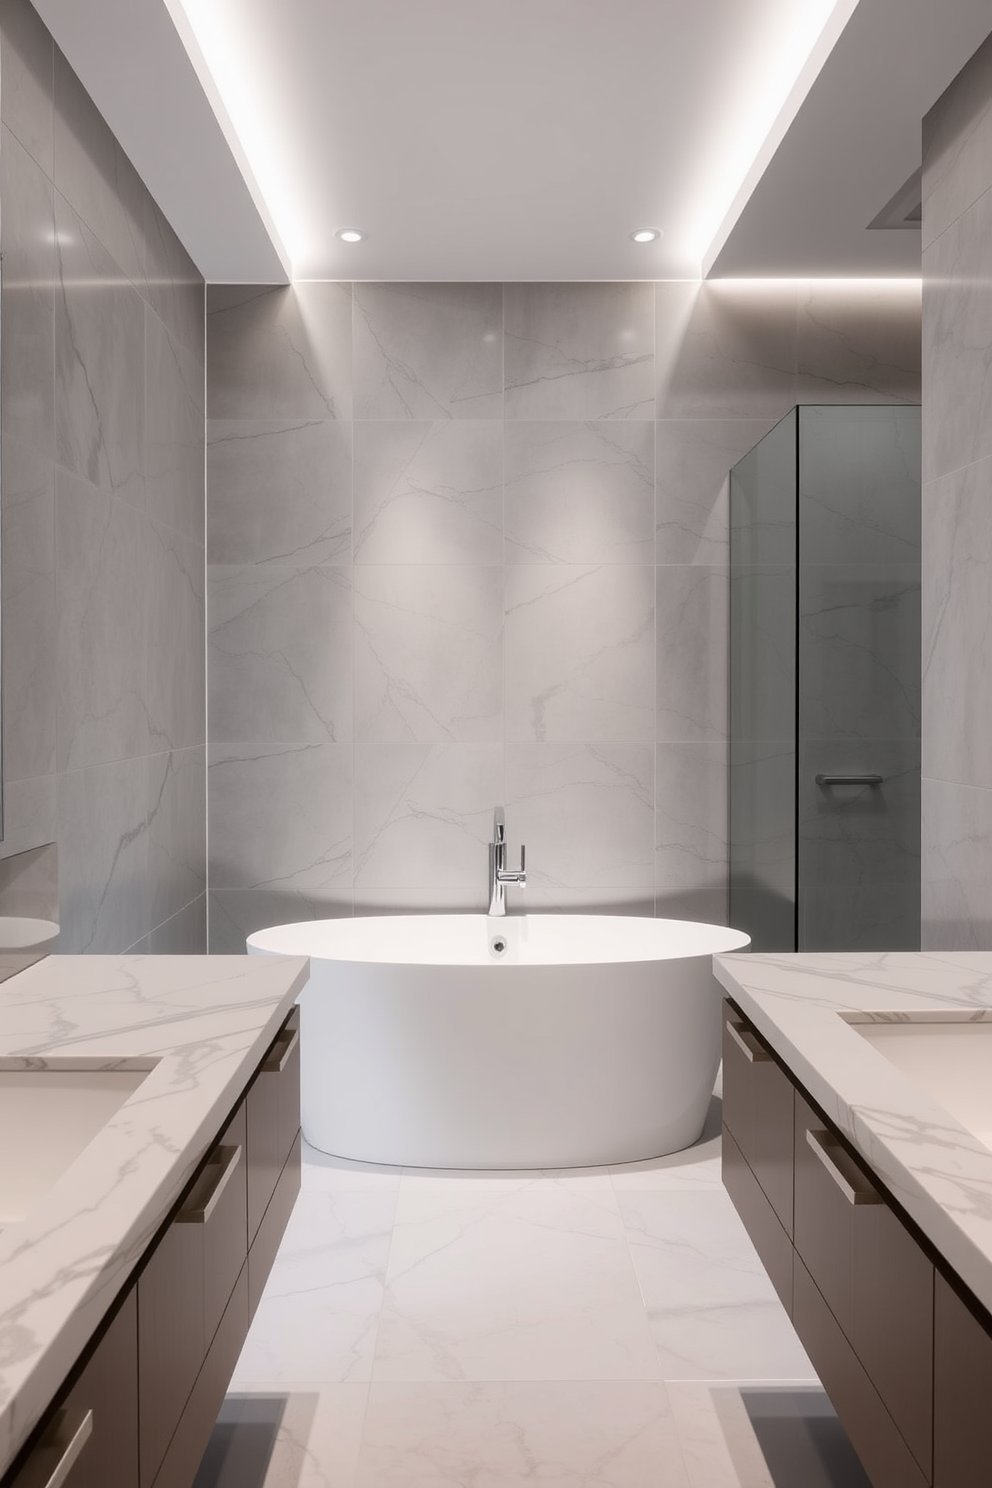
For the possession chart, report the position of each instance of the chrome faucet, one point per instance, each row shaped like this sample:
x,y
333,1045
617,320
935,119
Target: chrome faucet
x,y
499,874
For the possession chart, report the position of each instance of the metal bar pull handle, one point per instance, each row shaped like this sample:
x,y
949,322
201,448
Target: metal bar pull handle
x,y
823,780
751,1047
282,1047
855,1188
57,1453
209,1186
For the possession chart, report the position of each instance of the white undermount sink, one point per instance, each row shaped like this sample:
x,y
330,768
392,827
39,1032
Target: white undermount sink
x,y
951,1060
47,1118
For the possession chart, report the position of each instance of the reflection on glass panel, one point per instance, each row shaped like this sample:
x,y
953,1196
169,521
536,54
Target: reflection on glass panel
x,y
825,682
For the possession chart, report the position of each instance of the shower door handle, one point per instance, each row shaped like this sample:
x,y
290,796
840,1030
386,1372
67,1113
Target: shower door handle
x,y
824,780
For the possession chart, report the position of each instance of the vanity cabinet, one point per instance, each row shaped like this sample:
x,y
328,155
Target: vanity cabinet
x,y
139,1408
861,1288
962,1390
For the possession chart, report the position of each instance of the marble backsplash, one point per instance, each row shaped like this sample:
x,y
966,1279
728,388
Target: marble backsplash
x,y
467,545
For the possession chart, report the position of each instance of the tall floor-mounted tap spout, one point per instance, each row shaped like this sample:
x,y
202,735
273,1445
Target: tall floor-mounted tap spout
x,y
499,874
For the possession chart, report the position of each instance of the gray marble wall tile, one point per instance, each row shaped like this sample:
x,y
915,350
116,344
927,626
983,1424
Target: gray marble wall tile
x,y
692,610
424,815
281,817
579,492
957,867
545,897
693,460
859,343
957,145
174,683
29,613
26,83
428,351
95,176
184,934
234,914
957,627
860,482
468,897
428,655
27,314
173,285
280,353
586,813
858,652
725,350
957,344
691,815
279,654
177,831
174,432
579,652
99,364
102,627
30,814
706,906
280,491
579,351
103,856
429,491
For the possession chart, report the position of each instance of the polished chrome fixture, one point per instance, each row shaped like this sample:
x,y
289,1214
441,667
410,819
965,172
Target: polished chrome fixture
x,y
499,874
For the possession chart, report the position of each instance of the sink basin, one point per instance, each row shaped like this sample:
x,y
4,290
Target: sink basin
x,y
47,1118
18,933
950,1060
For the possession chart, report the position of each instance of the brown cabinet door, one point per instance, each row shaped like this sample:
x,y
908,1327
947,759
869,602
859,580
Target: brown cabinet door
x,y
886,1458
92,1438
962,1393
185,1288
892,1283
758,1111
824,1214
760,1220
273,1227
273,1107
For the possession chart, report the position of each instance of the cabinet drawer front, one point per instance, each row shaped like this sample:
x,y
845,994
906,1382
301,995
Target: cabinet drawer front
x,y
273,1227
758,1105
171,1342
892,1300
760,1220
824,1212
273,1107
193,1431
885,1456
93,1436
225,1228
962,1425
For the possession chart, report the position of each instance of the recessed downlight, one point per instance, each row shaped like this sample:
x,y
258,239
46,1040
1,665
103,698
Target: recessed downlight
x,y
349,235
646,235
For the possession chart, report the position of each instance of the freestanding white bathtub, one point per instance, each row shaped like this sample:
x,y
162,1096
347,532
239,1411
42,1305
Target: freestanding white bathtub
x,y
534,1041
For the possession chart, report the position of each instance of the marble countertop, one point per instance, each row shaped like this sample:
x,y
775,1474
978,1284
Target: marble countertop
x,y
199,1025
940,1173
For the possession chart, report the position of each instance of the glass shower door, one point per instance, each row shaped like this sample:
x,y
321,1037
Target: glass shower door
x,y
858,795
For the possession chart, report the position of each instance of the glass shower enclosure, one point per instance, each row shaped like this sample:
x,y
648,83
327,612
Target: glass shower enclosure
x,y
825,682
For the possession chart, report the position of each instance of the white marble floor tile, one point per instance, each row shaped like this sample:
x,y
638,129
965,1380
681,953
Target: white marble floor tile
x,y
575,1434
511,1285
712,1310
319,1312
324,1173
316,1441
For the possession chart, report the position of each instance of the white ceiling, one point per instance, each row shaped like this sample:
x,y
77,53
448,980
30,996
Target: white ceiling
x,y
522,139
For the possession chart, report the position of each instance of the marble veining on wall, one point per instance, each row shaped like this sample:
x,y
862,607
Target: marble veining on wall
x,y
467,544
103,503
